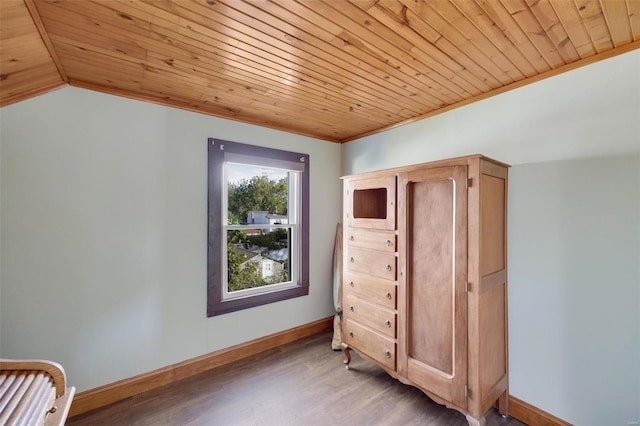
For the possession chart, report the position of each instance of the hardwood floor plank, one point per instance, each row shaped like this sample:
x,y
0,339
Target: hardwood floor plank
x,y
301,383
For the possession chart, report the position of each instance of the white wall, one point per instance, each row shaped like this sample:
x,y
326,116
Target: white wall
x,y
573,223
574,277
104,235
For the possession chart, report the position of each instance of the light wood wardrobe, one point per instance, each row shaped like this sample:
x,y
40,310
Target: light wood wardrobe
x,y
425,279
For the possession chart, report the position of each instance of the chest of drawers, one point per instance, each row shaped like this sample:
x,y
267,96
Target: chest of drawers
x,y
370,259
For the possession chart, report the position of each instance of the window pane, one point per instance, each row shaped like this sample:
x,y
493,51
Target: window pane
x,y
235,199
258,257
256,195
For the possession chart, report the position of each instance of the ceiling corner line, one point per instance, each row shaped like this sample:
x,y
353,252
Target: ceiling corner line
x,y
33,11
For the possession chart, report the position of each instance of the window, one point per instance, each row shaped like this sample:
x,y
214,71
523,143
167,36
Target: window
x,y
258,236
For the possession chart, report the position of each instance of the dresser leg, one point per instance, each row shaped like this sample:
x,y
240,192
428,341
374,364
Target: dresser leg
x,y
347,354
503,404
476,422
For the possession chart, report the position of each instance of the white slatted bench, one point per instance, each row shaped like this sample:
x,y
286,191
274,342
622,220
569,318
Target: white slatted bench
x,y
33,392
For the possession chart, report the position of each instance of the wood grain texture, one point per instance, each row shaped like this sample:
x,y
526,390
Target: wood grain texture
x,y
371,343
335,70
371,203
377,290
377,240
487,301
369,293
431,283
532,415
492,289
372,315
374,263
301,383
127,388
53,369
26,66
45,38
492,225
436,262
451,289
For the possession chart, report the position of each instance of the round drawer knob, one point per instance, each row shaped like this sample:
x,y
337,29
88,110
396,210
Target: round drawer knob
x,y
389,268
388,243
351,334
388,295
387,353
351,284
387,323
351,238
352,260
351,308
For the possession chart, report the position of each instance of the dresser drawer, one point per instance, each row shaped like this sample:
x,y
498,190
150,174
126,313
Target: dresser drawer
x,y
374,316
370,343
371,262
376,240
375,290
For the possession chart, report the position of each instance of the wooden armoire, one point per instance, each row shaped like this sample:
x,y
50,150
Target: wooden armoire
x,y
425,278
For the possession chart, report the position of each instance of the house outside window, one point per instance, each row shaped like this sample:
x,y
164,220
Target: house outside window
x,y
258,226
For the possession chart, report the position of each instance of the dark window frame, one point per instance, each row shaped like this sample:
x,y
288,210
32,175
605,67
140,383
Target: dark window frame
x,y
215,303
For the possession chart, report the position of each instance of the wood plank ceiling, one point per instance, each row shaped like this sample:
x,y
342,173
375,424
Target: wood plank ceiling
x,y
331,69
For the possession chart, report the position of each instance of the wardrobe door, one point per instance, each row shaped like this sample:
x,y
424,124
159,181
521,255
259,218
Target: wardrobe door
x,y
432,298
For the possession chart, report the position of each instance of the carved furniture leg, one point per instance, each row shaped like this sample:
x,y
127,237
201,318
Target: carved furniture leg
x,y
347,354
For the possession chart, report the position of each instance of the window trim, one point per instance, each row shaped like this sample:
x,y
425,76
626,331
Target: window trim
x,y
216,305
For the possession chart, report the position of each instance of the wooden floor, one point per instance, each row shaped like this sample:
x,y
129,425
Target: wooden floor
x,y
302,383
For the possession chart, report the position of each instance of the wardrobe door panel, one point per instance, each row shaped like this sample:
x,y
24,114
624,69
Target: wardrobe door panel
x,y
492,225
432,266
434,299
